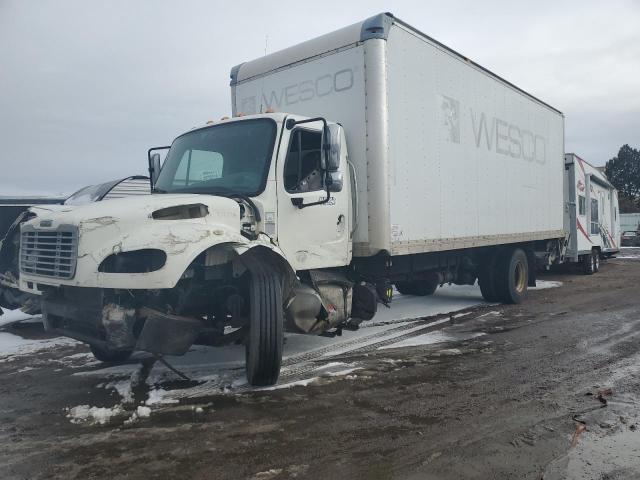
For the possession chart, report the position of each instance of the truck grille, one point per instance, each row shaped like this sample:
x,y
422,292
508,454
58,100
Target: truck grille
x,y
50,253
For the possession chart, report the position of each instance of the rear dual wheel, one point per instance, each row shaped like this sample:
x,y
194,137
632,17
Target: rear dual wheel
x,y
504,276
591,263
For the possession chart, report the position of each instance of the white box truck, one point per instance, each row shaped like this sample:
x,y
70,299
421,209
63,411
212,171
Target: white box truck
x,y
591,214
369,157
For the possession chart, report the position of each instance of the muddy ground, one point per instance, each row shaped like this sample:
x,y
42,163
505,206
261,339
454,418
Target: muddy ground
x,y
550,390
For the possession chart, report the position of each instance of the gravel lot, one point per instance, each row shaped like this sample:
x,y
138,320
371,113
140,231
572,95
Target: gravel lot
x,y
547,389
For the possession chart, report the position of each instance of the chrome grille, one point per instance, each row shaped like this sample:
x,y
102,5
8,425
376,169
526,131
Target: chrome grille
x,y
51,253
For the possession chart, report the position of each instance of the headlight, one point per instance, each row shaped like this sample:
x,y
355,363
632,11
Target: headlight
x,y
135,261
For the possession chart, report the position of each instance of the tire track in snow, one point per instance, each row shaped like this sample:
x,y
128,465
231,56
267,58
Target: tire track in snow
x,y
298,367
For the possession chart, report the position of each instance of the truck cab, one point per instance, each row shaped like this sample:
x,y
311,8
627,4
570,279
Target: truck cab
x,y
283,164
239,211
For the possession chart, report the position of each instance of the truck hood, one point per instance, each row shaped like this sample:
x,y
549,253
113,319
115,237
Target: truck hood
x,y
128,224
138,207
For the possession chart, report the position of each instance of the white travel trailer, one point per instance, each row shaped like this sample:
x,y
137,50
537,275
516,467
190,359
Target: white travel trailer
x,y
390,160
591,214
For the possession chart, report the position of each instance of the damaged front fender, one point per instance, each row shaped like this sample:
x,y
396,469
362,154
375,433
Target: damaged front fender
x,y
128,225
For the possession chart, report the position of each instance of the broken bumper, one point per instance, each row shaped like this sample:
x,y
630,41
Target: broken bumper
x,y
85,316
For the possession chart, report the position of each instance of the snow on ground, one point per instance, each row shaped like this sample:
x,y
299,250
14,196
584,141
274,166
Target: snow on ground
x,y
544,284
93,415
306,359
13,345
430,339
629,253
159,396
124,389
13,316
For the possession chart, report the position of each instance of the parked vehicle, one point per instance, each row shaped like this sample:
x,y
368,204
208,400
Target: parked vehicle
x,y
631,238
630,222
391,160
11,207
120,188
14,211
591,214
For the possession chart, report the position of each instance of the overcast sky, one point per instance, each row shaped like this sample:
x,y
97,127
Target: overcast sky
x,y
86,87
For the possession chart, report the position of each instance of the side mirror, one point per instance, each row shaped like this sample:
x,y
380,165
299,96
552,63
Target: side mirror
x,y
334,134
154,168
335,181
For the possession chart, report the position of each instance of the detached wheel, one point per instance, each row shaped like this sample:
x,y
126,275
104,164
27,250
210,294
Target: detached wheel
x,y
108,355
264,342
512,276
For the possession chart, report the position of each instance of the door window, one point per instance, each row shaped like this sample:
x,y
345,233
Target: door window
x,y
302,167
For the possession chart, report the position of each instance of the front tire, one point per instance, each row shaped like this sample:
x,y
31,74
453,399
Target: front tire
x,y
108,355
264,342
512,276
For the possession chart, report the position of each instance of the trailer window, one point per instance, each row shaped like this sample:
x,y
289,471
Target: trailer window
x,y
302,168
595,224
581,205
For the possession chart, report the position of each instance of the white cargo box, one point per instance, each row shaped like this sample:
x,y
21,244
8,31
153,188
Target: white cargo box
x,y
448,155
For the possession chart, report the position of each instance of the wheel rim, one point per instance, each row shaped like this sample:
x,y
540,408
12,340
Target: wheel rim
x,y
596,261
520,277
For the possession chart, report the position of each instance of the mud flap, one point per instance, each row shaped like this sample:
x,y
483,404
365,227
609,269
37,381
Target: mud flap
x,y
167,334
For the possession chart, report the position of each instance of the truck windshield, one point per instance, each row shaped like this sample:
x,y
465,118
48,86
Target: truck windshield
x,y
226,158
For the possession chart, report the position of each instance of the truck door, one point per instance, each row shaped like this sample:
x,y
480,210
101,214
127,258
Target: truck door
x,y
317,236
